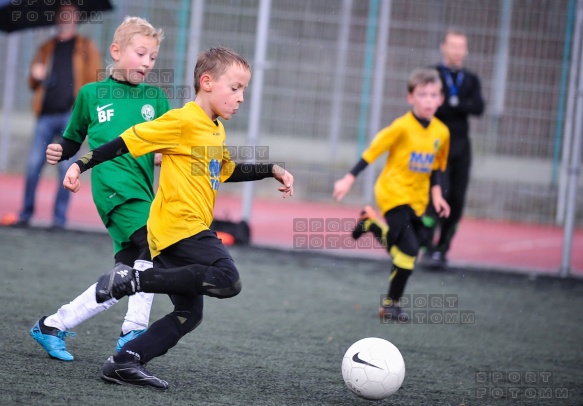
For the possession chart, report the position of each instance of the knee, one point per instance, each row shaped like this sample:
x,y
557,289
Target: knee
x,y
230,291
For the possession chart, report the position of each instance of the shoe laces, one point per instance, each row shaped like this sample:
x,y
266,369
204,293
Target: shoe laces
x,y
64,334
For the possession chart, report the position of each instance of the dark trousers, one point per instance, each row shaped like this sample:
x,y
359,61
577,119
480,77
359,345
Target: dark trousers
x,y
454,187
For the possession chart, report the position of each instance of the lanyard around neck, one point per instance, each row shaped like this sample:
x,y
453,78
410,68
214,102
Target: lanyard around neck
x,y
453,87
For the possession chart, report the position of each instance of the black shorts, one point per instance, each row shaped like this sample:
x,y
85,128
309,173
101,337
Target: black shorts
x,y
204,248
406,230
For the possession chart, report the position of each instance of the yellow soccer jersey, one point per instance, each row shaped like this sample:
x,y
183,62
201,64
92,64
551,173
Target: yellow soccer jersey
x,y
195,161
414,152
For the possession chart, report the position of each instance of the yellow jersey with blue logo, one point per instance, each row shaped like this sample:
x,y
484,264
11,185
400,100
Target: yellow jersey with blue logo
x,y
195,160
413,153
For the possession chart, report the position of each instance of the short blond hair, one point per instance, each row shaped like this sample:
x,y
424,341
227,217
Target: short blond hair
x,y
133,26
216,61
422,77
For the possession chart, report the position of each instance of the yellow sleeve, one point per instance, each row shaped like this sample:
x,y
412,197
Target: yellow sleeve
x,y
440,162
381,143
160,135
228,166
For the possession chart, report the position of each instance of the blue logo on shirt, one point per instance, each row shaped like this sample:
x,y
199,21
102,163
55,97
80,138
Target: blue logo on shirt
x,y
215,173
420,162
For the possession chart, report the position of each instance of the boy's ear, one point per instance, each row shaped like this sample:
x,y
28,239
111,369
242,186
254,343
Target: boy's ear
x,y
114,51
410,98
206,82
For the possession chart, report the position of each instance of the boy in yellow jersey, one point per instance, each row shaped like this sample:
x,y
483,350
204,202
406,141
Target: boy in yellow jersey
x,y
189,260
417,146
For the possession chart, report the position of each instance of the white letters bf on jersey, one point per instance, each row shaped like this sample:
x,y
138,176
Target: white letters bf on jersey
x,y
104,114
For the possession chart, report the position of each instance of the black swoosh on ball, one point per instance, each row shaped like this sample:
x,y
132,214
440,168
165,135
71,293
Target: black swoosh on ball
x,y
355,358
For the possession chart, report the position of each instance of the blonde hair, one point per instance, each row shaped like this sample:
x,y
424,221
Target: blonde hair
x,y
215,62
422,77
133,26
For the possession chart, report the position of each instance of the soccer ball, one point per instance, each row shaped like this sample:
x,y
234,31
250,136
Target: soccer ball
x,y
373,368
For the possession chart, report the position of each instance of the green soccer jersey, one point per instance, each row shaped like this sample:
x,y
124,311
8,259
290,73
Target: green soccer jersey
x,y
102,111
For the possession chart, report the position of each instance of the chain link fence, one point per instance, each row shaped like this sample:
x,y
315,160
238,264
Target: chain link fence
x,y
315,100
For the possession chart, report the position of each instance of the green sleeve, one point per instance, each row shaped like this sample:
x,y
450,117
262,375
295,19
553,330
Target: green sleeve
x,y
163,104
80,119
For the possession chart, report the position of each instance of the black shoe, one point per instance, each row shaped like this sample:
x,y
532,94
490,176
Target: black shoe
x,y
119,282
56,228
367,215
393,314
20,224
437,260
130,373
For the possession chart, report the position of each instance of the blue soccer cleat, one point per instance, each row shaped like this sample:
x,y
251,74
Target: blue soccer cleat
x,y
52,340
124,338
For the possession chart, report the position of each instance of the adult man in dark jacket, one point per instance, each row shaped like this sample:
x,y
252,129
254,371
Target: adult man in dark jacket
x,y
463,97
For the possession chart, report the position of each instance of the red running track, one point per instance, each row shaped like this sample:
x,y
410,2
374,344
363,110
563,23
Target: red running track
x,y
501,245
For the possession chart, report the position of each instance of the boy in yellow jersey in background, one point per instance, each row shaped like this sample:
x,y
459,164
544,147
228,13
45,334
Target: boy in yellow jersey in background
x,y
417,146
189,260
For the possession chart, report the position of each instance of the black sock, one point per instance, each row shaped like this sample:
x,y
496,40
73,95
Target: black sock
x,y
156,340
399,278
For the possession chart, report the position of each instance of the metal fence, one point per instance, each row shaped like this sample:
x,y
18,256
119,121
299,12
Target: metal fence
x,y
319,82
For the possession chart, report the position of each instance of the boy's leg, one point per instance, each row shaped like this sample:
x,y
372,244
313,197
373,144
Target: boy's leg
x,y
137,317
367,222
50,332
405,246
127,227
128,366
207,252
212,273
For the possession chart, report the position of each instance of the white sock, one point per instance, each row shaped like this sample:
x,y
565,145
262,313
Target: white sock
x,y
82,308
139,305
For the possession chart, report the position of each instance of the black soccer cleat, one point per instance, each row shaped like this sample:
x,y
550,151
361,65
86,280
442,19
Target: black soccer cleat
x,y
131,373
119,282
367,216
393,314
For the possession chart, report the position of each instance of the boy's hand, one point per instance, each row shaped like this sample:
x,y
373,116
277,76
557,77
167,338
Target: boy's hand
x,y
342,186
71,181
286,179
439,203
54,153
157,159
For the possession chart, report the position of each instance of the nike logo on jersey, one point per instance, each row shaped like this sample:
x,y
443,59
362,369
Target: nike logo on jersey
x,y
357,359
104,107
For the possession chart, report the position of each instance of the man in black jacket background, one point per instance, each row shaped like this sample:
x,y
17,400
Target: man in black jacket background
x,y
463,97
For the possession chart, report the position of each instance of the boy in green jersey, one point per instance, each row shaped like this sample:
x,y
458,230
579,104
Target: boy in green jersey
x,y
122,188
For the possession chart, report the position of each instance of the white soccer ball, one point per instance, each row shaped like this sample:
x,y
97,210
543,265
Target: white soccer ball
x,y
373,368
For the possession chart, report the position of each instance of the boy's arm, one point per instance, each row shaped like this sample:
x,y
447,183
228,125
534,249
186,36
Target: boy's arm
x,y
75,133
439,165
106,152
242,172
62,151
342,186
439,203
380,144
